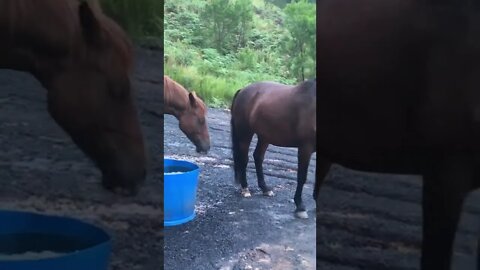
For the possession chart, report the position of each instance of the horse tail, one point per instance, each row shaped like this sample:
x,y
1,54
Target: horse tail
x,y
235,146
233,99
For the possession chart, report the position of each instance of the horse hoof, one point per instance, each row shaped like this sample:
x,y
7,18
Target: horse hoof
x,y
246,193
269,193
301,214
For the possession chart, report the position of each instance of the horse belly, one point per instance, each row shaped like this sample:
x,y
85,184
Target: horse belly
x,y
280,141
284,134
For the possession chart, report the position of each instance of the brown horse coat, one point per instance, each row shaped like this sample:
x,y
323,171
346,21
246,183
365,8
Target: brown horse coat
x,y
190,111
282,115
84,60
267,102
399,93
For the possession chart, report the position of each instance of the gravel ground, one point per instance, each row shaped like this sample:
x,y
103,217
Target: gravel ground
x,y
373,221
231,232
365,220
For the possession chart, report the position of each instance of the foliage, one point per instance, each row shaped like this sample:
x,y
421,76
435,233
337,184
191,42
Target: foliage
x,y
142,19
216,47
283,3
228,23
301,23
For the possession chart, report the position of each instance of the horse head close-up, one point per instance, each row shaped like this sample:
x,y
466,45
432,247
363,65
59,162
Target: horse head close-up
x,y
84,60
190,111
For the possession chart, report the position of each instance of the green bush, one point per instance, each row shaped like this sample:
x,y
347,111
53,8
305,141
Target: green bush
x,y
250,52
140,18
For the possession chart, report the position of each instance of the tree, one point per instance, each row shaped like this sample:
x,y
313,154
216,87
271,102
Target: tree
x,y
300,21
228,23
244,9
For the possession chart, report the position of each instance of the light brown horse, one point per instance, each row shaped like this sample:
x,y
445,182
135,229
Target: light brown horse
x,y
83,59
399,92
282,115
190,111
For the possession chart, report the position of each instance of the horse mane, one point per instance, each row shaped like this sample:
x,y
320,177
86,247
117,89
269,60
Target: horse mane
x,y
308,86
171,87
234,97
69,40
113,33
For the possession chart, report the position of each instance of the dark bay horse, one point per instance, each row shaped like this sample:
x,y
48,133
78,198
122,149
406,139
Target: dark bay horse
x,y
190,111
84,60
399,92
282,115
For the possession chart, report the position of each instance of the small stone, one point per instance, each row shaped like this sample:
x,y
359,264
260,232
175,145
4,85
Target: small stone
x,y
269,193
301,215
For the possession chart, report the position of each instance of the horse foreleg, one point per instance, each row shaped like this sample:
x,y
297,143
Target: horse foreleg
x,y
444,191
259,156
304,154
321,171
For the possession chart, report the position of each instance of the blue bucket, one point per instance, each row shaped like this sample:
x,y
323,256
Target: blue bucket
x,y
180,191
76,245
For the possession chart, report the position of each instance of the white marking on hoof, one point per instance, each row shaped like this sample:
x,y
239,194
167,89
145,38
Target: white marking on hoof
x,y
269,193
301,214
246,193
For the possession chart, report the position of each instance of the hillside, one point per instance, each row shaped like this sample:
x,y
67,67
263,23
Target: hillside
x,y
216,47
143,20
283,3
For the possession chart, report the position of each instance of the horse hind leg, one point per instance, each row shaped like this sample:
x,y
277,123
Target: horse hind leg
x,y
321,171
304,154
259,156
444,191
241,166
241,138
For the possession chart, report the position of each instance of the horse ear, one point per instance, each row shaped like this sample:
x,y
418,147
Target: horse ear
x,y
192,99
90,25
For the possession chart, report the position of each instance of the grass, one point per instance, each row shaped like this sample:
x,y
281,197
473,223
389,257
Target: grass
x,y
142,19
215,91
214,76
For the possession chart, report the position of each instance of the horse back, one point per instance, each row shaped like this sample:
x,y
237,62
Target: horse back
x,y
270,109
46,25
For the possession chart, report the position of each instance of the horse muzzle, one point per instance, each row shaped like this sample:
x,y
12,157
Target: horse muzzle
x,y
203,149
121,184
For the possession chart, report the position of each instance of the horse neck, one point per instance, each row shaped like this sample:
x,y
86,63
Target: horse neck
x,y
42,56
175,98
59,45
306,87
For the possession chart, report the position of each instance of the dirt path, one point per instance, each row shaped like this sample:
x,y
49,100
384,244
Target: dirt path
x,y
231,232
42,170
